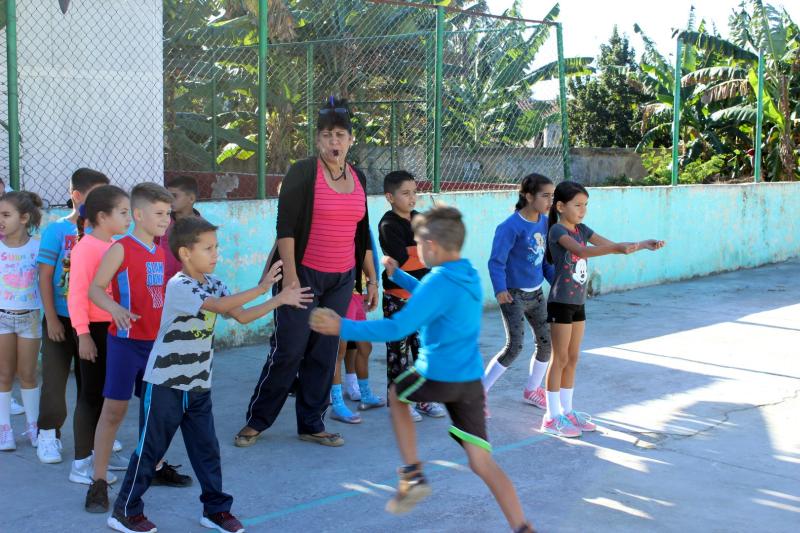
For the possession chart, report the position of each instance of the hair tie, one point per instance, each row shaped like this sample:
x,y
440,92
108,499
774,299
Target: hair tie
x,y
82,211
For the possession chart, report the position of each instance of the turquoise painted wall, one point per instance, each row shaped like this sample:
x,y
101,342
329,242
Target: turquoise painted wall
x,y
708,229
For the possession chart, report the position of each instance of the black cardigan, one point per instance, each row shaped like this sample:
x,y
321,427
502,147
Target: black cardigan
x,y
295,208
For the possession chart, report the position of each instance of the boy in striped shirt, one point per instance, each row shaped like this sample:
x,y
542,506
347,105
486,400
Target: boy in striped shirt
x,y
177,388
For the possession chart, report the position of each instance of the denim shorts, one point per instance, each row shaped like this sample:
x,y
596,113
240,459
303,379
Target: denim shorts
x,y
23,323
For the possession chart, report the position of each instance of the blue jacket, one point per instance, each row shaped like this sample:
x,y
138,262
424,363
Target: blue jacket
x,y
446,308
518,260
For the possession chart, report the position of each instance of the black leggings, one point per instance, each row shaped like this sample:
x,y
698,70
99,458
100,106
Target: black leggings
x,y
90,399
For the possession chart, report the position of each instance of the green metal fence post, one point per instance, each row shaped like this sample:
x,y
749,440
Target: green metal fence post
x,y
562,101
759,118
214,123
430,105
13,94
437,121
263,26
676,111
310,97
393,136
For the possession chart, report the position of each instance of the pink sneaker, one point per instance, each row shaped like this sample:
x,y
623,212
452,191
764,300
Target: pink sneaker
x,y
535,397
581,420
560,426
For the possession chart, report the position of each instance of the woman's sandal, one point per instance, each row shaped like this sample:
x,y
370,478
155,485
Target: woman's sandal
x,y
328,439
243,441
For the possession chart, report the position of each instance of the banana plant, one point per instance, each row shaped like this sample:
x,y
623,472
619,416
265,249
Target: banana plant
x,y
734,83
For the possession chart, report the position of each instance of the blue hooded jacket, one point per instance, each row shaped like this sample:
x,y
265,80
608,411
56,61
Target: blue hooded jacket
x,y
446,308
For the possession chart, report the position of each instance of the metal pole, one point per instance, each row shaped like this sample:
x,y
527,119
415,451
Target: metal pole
x,y
393,138
13,94
759,118
562,101
214,123
437,121
310,98
263,26
676,111
430,145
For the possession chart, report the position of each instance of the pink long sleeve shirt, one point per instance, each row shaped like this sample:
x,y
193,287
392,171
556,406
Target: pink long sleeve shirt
x,y
84,261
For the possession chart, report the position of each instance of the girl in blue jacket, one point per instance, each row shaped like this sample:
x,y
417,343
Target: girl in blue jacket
x,y
518,269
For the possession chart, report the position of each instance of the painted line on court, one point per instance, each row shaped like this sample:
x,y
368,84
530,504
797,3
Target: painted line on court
x,y
321,502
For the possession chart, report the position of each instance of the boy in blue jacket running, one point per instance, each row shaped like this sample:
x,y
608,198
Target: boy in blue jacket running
x,y
446,308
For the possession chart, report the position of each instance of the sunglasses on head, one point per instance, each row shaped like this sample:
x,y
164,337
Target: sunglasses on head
x,y
341,112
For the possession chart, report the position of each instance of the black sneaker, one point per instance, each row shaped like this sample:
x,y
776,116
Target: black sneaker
x,y
168,476
97,497
525,528
413,488
130,524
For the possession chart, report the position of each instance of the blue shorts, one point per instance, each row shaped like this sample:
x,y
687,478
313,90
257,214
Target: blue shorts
x,y
126,360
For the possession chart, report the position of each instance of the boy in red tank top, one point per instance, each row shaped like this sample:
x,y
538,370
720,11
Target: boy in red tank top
x,y
134,267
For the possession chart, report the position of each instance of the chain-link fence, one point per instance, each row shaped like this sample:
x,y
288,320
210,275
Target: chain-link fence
x,y
148,90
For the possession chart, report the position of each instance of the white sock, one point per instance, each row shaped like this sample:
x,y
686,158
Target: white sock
x,y
351,381
493,371
30,399
536,373
566,400
5,408
553,404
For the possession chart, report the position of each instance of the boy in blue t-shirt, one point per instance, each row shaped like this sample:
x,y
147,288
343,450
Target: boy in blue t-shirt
x,y
446,307
59,344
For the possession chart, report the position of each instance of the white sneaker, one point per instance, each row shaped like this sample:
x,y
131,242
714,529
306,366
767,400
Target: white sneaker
x,y
117,446
49,448
16,409
82,472
415,416
32,432
7,443
353,393
117,462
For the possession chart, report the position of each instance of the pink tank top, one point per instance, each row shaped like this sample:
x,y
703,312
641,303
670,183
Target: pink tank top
x,y
331,244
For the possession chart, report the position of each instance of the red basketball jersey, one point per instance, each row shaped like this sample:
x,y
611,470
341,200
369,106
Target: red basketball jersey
x,y
139,286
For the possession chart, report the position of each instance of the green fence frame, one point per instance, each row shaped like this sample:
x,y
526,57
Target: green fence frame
x,y
433,99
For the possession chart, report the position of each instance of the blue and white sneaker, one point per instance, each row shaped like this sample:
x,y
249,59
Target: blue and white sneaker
x,y
340,412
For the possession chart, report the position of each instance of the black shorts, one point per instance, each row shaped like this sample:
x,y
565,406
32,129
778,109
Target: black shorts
x,y
465,402
558,313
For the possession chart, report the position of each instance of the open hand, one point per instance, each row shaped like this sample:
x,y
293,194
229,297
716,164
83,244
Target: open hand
x,y
325,321
296,296
122,317
273,276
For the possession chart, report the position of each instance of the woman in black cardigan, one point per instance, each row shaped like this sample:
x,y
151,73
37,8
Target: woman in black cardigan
x,y
324,243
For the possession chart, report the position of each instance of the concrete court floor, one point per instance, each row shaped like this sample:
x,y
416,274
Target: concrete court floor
x,y
694,384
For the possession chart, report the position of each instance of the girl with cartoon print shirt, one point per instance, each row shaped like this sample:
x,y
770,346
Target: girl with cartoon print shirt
x,y
568,249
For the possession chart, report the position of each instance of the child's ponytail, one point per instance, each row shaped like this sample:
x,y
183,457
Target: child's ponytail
x,y
531,184
552,219
102,199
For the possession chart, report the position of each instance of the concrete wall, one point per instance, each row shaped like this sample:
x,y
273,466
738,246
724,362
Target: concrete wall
x,y
90,84
593,165
708,229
